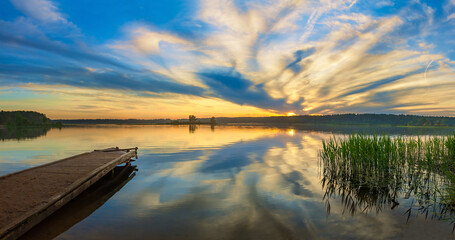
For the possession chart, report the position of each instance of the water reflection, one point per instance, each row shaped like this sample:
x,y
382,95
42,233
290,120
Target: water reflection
x,y
290,132
58,144
82,206
373,181
192,128
372,129
22,133
424,190
232,183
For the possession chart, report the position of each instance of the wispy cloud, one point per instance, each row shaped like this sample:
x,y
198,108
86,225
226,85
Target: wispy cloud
x,y
105,79
42,10
386,3
280,55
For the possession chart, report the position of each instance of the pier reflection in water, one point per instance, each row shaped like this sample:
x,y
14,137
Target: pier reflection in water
x,y
230,183
82,206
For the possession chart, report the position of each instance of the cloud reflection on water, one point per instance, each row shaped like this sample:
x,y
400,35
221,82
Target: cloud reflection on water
x,y
231,183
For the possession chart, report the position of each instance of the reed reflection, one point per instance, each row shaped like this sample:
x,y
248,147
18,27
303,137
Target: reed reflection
x,y
369,173
241,183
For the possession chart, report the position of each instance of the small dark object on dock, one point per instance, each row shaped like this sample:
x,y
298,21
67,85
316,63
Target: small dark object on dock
x,y
395,204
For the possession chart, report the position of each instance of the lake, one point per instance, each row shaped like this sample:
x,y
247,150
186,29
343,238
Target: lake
x,y
227,182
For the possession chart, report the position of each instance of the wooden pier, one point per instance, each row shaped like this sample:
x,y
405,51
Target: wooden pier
x,y
29,196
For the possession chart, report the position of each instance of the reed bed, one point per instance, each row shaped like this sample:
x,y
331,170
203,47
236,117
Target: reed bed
x,y
369,171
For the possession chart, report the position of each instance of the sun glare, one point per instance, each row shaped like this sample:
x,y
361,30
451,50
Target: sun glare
x,y
290,114
290,132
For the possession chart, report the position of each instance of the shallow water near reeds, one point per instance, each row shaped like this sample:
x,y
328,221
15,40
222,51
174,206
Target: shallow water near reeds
x,y
222,183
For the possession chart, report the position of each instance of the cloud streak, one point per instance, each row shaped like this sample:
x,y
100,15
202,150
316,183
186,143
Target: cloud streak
x,y
42,10
280,55
87,78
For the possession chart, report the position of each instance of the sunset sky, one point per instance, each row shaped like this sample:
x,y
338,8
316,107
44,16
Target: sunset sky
x,y
171,58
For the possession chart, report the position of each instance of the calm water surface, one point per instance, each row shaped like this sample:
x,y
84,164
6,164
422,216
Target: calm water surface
x,y
222,183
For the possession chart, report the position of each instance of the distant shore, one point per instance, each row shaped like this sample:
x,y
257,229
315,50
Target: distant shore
x,y
351,120
15,119
337,120
329,128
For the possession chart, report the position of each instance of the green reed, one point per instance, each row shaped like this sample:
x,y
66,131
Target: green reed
x,y
372,170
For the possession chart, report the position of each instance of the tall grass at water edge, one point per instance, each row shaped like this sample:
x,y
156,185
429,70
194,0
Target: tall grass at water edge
x,y
374,170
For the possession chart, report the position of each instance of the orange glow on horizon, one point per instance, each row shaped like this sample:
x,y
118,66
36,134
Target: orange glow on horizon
x,y
290,114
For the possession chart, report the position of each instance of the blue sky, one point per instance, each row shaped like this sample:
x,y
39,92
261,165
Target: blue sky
x,y
152,59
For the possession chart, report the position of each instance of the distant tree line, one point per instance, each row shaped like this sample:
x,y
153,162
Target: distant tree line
x,y
336,119
25,118
191,120
349,119
118,121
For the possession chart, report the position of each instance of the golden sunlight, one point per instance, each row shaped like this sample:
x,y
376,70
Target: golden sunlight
x,y
290,132
290,114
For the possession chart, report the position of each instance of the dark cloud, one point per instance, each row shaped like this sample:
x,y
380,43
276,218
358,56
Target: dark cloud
x,y
58,48
299,56
80,77
379,102
225,84
376,84
376,108
230,85
86,107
